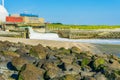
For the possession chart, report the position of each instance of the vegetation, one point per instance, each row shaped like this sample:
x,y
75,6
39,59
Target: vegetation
x,y
80,27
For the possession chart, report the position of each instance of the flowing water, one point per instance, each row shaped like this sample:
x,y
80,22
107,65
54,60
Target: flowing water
x,y
110,46
54,36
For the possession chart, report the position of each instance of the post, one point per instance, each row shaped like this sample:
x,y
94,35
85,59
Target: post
x,y
2,2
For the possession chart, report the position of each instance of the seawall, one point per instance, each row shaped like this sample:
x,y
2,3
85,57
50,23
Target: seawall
x,y
90,34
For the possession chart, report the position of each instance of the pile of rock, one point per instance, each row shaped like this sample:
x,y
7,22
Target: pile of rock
x,y
25,62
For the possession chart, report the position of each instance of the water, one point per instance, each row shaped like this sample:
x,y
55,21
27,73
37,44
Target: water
x,y
54,36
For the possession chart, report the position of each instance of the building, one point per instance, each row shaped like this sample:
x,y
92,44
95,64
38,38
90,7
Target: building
x,y
25,18
12,19
3,13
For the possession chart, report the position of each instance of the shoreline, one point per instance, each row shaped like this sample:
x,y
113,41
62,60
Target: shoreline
x,y
91,47
20,59
83,46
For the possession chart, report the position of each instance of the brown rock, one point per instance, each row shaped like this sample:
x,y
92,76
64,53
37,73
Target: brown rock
x,y
75,50
10,53
114,66
38,51
18,62
30,72
1,77
69,77
67,59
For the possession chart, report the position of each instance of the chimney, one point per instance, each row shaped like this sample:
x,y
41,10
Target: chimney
x,y
2,2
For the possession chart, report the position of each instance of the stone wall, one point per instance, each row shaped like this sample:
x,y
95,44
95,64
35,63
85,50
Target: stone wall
x,y
90,34
17,33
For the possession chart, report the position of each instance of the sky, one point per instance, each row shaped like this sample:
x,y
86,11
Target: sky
x,y
83,12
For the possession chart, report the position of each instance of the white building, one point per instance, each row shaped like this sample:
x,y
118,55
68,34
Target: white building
x,y
3,12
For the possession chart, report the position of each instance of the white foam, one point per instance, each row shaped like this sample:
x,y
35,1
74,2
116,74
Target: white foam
x,y
54,36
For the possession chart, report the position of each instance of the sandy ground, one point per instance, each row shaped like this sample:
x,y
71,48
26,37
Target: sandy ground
x,y
83,46
94,48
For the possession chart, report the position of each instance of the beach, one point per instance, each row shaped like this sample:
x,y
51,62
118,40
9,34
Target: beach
x,y
94,48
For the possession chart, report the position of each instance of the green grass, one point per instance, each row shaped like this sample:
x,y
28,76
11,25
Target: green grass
x,y
81,27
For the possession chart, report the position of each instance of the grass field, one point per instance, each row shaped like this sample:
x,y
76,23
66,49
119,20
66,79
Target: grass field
x,y
81,27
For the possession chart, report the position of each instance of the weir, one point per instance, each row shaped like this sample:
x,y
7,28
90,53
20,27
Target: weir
x,y
55,37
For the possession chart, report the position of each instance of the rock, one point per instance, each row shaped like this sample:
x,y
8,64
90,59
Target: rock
x,y
86,74
89,78
100,76
72,69
82,55
85,62
64,51
67,59
86,68
22,51
49,65
98,63
114,57
115,65
75,50
12,49
46,63
52,70
53,73
111,61
78,77
1,77
5,71
18,62
38,51
117,77
11,54
69,77
30,72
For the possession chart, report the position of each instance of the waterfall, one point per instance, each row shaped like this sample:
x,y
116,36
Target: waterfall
x,y
47,36
54,36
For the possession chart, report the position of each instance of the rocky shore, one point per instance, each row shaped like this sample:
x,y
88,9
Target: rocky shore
x,y
19,61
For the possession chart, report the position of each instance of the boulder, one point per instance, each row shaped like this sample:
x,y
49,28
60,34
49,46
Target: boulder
x,y
30,72
22,51
89,78
100,76
64,51
85,62
49,65
86,74
72,69
52,70
69,77
18,62
98,63
75,50
114,65
54,73
67,59
11,54
1,77
38,51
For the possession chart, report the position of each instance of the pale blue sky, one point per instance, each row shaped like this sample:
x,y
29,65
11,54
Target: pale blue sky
x,y
84,12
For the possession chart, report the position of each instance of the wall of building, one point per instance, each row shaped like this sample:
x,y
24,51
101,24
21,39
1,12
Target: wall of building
x,y
14,19
31,20
42,20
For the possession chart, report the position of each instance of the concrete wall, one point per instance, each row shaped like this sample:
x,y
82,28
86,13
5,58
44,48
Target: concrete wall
x,y
42,20
113,34
31,20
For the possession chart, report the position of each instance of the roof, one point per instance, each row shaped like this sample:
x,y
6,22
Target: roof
x,y
28,15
